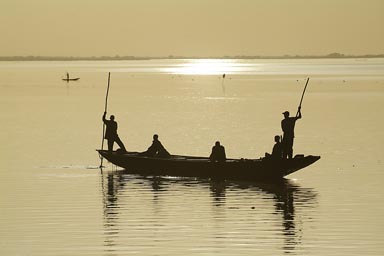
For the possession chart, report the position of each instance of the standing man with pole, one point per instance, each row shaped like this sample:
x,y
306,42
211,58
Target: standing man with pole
x,y
109,128
111,133
288,127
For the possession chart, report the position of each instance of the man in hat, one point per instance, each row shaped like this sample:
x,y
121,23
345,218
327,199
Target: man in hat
x,y
288,127
111,133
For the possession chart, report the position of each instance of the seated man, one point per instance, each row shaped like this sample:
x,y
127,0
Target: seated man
x,y
277,151
218,153
156,149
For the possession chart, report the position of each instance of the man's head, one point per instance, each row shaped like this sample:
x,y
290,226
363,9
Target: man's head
x,y
217,143
286,114
112,117
155,137
277,138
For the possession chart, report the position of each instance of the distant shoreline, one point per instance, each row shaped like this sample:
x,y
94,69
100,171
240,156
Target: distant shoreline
x,y
106,58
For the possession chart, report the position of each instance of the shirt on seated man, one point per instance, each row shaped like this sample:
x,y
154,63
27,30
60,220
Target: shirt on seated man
x,y
218,153
156,149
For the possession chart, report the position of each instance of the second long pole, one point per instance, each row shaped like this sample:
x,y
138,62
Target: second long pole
x,y
105,111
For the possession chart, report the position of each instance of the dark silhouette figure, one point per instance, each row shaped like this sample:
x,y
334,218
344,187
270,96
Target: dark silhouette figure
x,y
218,153
277,151
288,127
111,133
70,79
156,149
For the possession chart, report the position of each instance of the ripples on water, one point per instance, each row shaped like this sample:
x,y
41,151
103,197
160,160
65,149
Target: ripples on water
x,y
173,216
65,206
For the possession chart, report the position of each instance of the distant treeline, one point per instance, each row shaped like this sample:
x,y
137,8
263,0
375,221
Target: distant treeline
x,y
69,58
117,57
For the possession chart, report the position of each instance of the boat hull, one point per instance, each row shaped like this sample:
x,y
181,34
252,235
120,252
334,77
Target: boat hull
x,y
186,166
70,79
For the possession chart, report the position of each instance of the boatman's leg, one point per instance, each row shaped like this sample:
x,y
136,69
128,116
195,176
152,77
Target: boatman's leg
x,y
120,143
110,145
290,148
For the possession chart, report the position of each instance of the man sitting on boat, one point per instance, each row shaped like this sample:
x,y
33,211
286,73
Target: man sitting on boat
x,y
277,151
156,149
218,153
111,133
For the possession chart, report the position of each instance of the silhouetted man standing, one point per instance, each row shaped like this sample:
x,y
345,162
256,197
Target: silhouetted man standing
x,y
288,127
111,133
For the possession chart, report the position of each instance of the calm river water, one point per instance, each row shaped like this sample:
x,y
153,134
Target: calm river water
x,y
55,201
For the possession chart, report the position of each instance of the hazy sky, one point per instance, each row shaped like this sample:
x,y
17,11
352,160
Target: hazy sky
x,y
190,27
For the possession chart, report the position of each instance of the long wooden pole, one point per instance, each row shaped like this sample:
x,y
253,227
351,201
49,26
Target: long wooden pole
x,y
302,96
105,110
106,96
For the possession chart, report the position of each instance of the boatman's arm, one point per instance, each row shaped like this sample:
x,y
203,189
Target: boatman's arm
x,y
298,116
104,120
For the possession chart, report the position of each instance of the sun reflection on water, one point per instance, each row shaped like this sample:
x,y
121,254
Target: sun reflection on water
x,y
207,67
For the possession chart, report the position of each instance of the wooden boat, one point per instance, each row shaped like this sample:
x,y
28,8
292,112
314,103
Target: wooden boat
x,y
71,79
189,166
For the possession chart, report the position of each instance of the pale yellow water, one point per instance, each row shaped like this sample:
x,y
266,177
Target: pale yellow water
x,y
55,201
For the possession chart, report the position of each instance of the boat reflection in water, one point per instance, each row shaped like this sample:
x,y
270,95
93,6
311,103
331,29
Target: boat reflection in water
x,y
151,211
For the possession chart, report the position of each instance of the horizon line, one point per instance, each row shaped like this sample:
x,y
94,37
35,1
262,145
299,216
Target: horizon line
x,y
127,57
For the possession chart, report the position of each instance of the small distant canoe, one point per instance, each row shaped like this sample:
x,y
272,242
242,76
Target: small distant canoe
x,y
71,79
189,166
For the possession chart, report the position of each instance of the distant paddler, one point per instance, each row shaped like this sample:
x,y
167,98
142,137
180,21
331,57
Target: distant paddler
x,y
111,133
70,79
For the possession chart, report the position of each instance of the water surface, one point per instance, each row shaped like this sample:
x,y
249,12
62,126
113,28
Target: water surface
x,y
55,201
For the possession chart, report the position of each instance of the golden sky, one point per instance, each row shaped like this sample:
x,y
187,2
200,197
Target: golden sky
x,y
190,27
